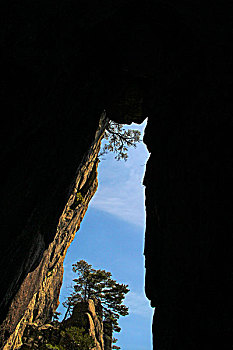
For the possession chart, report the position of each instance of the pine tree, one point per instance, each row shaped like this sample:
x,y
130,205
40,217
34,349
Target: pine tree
x,y
119,140
98,284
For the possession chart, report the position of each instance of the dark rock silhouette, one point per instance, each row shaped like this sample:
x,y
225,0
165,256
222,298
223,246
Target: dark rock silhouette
x,y
62,64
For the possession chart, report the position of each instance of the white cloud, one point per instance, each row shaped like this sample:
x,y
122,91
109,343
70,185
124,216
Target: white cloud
x,y
123,200
120,190
138,304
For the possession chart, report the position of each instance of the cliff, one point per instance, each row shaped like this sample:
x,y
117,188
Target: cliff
x,y
89,316
38,295
85,315
62,63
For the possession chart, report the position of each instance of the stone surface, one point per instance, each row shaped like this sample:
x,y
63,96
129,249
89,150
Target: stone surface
x,y
38,295
63,62
36,336
84,315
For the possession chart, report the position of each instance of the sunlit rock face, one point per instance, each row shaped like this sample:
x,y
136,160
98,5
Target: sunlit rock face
x,y
38,294
86,316
63,63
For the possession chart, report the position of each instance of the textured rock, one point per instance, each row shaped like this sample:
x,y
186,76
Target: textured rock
x,y
38,295
84,315
63,63
36,336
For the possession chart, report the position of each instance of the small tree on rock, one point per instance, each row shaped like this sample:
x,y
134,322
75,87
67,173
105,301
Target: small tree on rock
x,y
119,140
98,284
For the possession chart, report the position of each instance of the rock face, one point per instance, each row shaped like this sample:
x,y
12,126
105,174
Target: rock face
x,y
89,316
38,295
85,315
63,63
37,336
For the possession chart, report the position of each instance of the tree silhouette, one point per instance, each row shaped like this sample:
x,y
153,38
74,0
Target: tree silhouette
x,y
119,140
98,284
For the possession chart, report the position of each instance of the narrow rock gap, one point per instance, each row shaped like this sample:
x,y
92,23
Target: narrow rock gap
x,y
111,237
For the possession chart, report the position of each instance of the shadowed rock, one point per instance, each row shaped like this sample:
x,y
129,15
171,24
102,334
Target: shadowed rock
x,y
63,62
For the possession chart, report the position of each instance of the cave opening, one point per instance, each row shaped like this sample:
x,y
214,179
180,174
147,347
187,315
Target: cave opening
x,y
111,237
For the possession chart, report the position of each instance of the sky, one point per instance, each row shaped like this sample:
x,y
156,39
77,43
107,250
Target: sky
x,y
111,237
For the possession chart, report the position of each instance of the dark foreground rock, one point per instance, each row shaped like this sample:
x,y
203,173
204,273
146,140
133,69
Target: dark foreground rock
x,y
63,62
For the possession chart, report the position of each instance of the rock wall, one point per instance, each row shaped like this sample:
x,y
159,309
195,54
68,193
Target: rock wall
x,y
85,315
63,62
89,316
38,295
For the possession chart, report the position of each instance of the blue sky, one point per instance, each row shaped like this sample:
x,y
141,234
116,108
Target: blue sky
x,y
111,237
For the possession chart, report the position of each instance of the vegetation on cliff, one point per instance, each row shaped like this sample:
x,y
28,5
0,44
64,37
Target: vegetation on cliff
x,y
92,312
118,140
57,336
73,338
92,283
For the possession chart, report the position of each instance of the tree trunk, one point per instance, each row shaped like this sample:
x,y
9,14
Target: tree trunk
x,y
67,312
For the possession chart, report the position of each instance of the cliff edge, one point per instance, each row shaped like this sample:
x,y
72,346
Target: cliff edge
x,y
38,296
85,315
